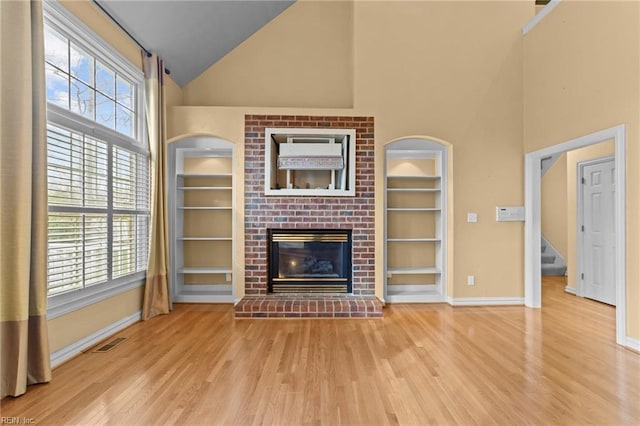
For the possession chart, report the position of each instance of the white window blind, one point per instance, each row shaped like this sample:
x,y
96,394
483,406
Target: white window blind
x,y
78,169
97,195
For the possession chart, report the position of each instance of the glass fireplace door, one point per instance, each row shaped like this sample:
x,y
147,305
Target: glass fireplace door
x,y
310,261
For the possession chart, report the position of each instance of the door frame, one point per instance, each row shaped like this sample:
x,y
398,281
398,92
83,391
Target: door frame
x,y
532,226
580,249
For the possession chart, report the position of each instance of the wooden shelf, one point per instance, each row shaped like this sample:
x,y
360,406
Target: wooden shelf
x,y
414,177
205,238
205,270
413,189
413,209
204,175
204,188
413,270
413,240
205,208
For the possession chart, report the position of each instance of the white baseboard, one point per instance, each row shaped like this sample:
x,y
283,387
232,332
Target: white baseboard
x,y
632,343
570,290
485,301
68,352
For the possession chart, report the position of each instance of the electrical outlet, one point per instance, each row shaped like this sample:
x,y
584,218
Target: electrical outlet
x,y
471,280
227,277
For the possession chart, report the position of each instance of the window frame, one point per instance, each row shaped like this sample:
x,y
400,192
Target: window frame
x,y
60,19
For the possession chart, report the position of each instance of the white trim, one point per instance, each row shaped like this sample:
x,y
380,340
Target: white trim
x,y
532,279
570,290
61,117
400,289
345,138
415,298
540,16
633,344
485,301
203,298
74,349
532,232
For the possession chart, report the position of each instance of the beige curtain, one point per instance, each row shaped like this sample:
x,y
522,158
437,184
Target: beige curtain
x,y
24,348
156,294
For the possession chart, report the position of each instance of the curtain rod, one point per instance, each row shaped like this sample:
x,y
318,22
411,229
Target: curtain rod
x,y
115,21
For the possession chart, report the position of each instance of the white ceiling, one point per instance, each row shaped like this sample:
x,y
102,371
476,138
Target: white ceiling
x,y
192,35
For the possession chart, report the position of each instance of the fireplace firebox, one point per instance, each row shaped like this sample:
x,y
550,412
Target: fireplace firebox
x,y
309,261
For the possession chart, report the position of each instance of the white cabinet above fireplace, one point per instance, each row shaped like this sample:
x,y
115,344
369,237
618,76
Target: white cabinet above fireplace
x,y
316,162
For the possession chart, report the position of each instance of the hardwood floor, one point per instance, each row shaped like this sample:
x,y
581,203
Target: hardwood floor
x,y
421,364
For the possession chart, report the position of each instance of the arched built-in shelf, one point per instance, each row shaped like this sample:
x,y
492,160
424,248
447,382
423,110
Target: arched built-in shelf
x,y
201,193
415,221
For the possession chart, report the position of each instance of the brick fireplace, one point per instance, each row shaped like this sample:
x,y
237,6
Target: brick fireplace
x,y
264,213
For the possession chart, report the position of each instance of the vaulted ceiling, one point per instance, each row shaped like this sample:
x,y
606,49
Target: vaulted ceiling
x,y
192,35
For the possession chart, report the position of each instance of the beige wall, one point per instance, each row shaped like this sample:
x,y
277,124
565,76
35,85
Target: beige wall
x,y
173,92
573,158
582,75
554,205
305,60
68,329
449,70
453,70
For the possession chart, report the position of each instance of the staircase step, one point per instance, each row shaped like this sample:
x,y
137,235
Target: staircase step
x,y
548,269
548,259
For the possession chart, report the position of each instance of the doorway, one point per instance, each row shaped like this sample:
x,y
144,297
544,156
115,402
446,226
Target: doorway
x,y
533,297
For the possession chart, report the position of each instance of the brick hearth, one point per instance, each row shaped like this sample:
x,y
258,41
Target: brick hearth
x,y
318,212
308,306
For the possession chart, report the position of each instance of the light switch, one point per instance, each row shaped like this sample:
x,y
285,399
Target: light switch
x,y
472,217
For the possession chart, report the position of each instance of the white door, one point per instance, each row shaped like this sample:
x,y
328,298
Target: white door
x,y
598,189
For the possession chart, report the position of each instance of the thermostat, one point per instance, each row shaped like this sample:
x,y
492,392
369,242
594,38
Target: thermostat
x,y
509,214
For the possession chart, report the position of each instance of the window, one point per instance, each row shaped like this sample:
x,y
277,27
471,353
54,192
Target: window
x,y
97,166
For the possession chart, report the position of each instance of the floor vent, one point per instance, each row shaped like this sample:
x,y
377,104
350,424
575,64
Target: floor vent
x,y
111,345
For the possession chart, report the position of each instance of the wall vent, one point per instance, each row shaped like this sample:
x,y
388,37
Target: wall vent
x,y
107,347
